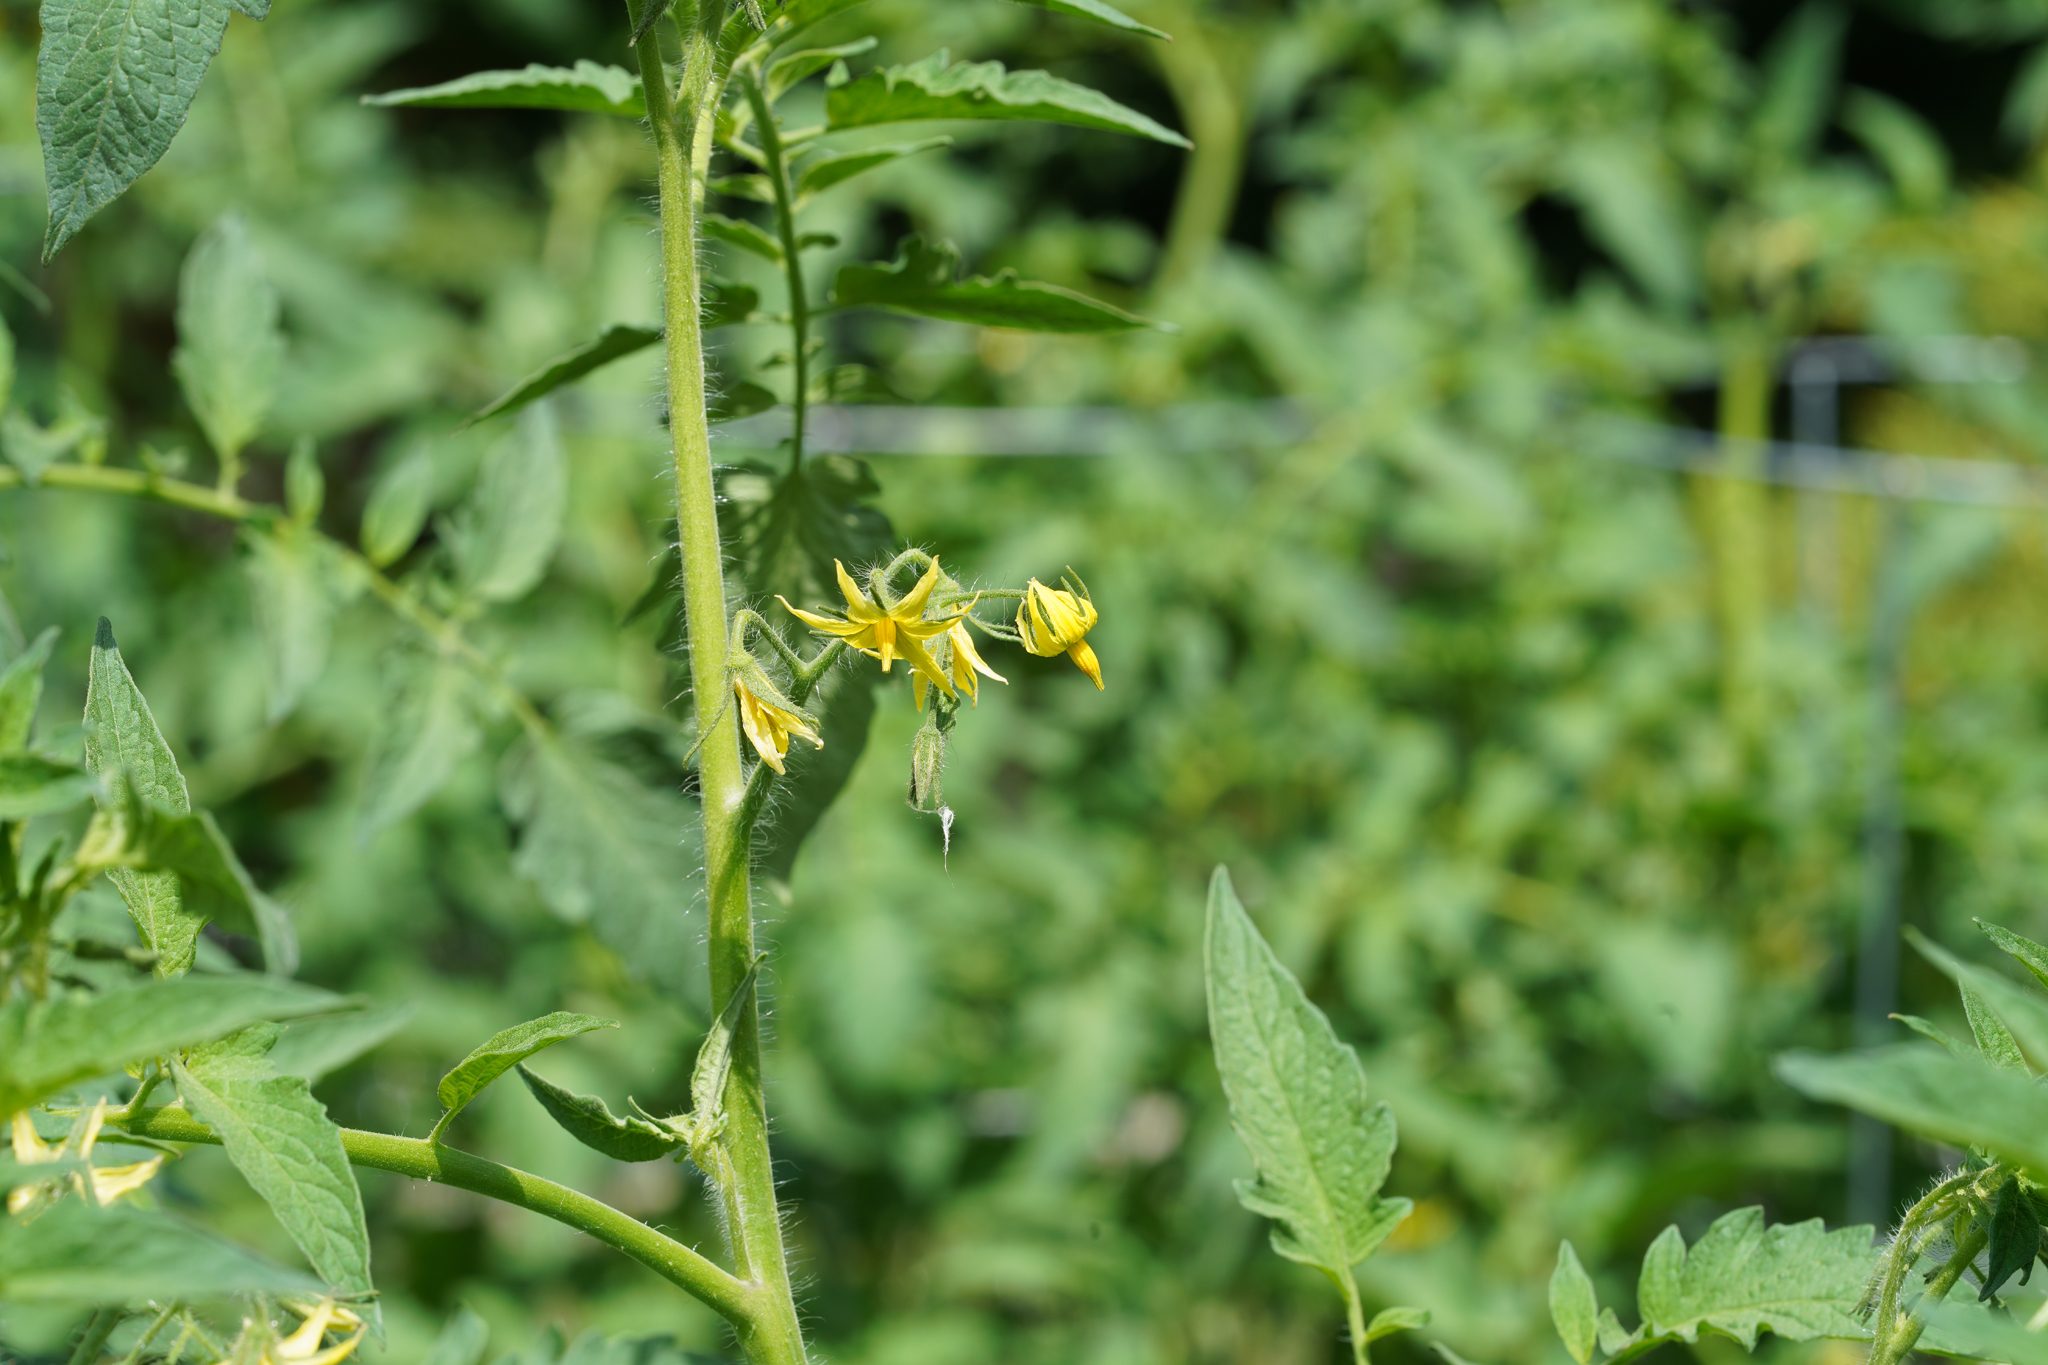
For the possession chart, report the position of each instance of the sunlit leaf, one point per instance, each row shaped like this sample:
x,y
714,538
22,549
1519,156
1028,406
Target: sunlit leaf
x,y
924,281
939,88
585,88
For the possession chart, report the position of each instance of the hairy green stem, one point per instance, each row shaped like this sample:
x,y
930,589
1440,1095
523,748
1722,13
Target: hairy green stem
x,y
97,1331
682,127
1901,1343
1354,1317
689,1270
775,164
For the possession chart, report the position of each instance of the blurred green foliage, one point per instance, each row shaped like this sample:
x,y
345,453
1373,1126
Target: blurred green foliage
x,y
1545,772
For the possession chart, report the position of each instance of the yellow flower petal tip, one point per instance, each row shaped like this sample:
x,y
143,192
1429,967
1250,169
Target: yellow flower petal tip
x,y
1055,621
887,632
769,725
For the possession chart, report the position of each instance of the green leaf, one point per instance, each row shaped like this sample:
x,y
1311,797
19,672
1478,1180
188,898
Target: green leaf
x,y
429,729
713,1067
230,354
1931,1032
824,172
114,81
1741,1278
606,848
2029,954
21,691
2015,1239
305,485
1635,205
739,233
461,1342
1800,71
79,1254
6,364
585,88
1959,1100
397,509
736,400
587,1119
31,785
122,743
1993,1038
1388,1321
937,88
2022,1011
613,343
31,448
923,281
845,704
312,1048
1574,1308
1298,1100
787,72
211,883
281,1140
1095,11
504,536
1910,151
48,1046
501,1052
291,584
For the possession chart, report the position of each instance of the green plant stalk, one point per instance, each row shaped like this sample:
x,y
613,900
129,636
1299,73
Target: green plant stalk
x,y
94,1341
775,162
1354,1317
682,142
1902,1342
737,1302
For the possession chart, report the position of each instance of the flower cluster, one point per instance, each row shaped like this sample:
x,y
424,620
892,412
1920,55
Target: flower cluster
x,y
97,1184
929,628
308,1343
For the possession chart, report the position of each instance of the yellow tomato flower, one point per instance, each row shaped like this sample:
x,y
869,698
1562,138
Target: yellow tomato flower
x,y
965,662
1053,621
887,633
307,1345
100,1184
769,724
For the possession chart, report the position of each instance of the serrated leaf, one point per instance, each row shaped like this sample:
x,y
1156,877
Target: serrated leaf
x,y
587,1119
2022,1011
824,172
48,1046
397,509
281,1140
504,1050
1959,1100
1993,1038
938,88
31,785
1741,1278
211,882
461,1342
2029,954
123,744
1574,1308
505,534
924,281
614,343
114,81
429,730
230,354
1095,11
605,848
291,584
1298,1100
21,691
2015,1239
79,1254
585,88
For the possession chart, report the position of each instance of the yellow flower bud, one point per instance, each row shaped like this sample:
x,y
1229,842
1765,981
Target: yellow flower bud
x,y
1053,621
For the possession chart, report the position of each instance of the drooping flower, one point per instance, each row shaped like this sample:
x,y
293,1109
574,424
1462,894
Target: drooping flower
x,y
307,1345
769,721
965,662
887,633
99,1184
1053,621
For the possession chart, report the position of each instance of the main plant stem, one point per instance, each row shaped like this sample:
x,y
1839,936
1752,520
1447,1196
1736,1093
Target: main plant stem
x,y
682,140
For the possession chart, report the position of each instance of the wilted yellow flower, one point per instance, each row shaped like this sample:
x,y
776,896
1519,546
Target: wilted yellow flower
x,y
100,1184
307,1345
887,633
965,663
1055,621
769,724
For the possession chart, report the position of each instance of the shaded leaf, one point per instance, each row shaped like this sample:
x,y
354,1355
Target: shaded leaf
x,y
713,1067
585,88
230,353
2029,954
737,232
845,704
924,281
21,691
938,88
211,883
1800,71
461,1342
505,534
824,172
1573,1307
1959,1100
2021,1013
587,1119
397,509
504,1050
311,1048
1095,11
1298,1100
792,69
281,1140
31,785
1742,1278
292,586
114,81
48,1046
77,1253
2015,1239
429,729
612,344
